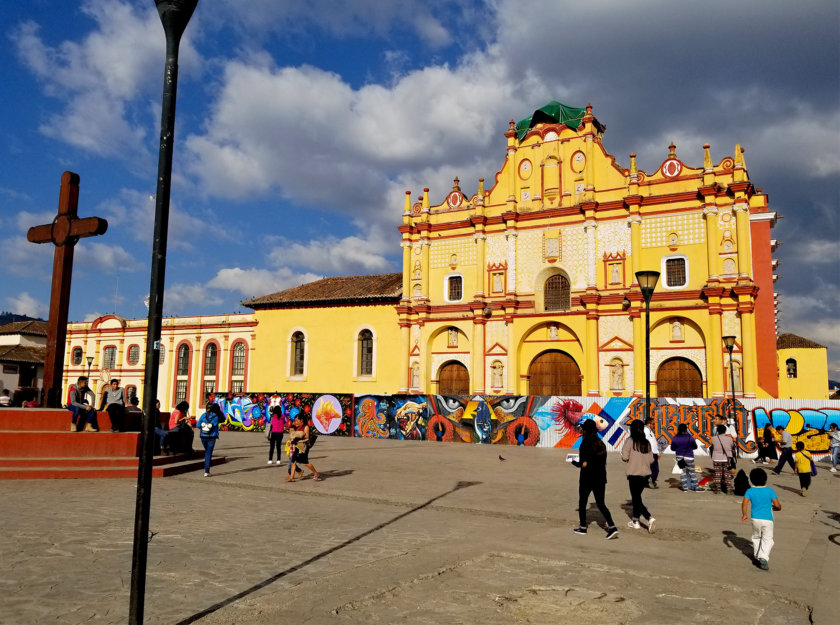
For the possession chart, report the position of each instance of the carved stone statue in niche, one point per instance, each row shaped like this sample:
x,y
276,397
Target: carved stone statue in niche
x,y
676,330
615,277
415,375
453,337
617,375
417,291
552,332
498,375
417,271
497,282
736,372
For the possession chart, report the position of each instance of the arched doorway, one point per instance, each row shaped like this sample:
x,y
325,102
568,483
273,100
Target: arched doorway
x,y
679,377
554,373
454,379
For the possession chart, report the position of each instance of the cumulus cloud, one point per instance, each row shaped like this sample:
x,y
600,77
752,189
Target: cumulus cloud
x,y
101,78
22,258
254,282
106,258
180,297
25,304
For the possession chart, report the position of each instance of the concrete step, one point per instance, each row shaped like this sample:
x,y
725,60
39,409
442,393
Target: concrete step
x,y
100,472
91,462
28,444
43,419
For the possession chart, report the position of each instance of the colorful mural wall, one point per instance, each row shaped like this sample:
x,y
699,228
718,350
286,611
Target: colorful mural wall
x,y
330,414
531,420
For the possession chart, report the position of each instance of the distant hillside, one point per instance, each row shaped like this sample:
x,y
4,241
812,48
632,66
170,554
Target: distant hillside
x,y
8,317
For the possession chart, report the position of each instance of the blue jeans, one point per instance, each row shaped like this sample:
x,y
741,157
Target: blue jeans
x,y
688,477
209,444
835,452
75,410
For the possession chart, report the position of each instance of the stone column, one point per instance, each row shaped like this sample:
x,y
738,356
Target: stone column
x,y
638,351
635,245
710,213
405,348
424,259
591,247
477,358
480,263
742,225
592,379
511,260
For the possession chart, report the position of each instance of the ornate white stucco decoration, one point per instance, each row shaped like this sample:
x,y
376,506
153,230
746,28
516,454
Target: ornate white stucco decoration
x,y
615,325
441,252
496,332
496,251
731,324
613,237
439,359
574,253
689,227
529,254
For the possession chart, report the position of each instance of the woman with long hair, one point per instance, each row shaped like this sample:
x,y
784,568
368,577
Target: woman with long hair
x,y
592,461
638,455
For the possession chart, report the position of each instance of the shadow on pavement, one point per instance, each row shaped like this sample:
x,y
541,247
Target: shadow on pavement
x,y
270,580
745,546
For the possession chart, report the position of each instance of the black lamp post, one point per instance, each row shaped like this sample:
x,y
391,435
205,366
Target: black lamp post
x,y
647,283
90,362
729,342
174,15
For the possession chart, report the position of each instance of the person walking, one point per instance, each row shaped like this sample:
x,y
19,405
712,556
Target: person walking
x,y
834,445
722,450
803,462
638,456
592,461
276,427
300,440
785,450
683,446
654,447
758,505
113,401
208,427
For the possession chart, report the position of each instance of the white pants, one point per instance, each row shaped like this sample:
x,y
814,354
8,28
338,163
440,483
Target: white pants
x,y
762,538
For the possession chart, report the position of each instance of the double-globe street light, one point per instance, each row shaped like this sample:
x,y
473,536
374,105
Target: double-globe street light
x,y
647,283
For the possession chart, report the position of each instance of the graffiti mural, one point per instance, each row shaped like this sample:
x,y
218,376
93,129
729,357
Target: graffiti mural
x,y
808,425
402,417
330,414
485,420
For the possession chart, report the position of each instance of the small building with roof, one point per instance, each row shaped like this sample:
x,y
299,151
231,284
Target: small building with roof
x,y
23,348
802,367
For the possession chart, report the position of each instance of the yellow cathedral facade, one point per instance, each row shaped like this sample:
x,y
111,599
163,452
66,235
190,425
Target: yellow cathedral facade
x,y
527,287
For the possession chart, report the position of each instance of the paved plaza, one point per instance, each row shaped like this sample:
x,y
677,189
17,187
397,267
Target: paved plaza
x,y
408,532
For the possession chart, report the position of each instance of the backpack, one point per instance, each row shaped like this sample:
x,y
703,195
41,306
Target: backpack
x,y
206,426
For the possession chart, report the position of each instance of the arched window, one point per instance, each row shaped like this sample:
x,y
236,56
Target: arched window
x,y
182,373
237,369
210,368
133,354
298,353
790,363
109,357
77,355
365,352
558,295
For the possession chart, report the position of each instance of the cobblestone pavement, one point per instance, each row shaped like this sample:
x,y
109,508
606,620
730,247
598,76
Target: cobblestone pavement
x,y
406,532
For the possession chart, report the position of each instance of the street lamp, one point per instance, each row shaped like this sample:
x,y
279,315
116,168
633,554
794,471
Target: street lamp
x,y
90,362
647,283
729,342
174,15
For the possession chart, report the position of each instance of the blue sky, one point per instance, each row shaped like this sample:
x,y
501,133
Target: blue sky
x,y
301,125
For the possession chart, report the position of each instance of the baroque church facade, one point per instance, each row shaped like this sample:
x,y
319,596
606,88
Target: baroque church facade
x,y
527,287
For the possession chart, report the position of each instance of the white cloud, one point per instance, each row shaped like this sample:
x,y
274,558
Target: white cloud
x,y
25,259
179,297
255,282
106,258
99,77
25,304
25,219
818,251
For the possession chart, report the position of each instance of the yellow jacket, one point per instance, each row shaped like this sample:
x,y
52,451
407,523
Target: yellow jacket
x,y
802,461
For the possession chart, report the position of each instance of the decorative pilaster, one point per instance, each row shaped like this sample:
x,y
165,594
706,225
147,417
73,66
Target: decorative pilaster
x,y
714,346
710,213
742,231
405,347
511,260
635,244
591,261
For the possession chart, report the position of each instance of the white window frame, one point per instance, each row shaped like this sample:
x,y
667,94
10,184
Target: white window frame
x,y
356,373
290,357
663,279
446,287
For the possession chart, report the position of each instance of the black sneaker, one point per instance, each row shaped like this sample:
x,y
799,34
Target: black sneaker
x,y
579,530
612,532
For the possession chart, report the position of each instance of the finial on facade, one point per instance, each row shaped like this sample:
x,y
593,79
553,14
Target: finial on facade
x,y
407,209
455,186
707,156
426,198
589,108
512,125
672,150
633,163
481,187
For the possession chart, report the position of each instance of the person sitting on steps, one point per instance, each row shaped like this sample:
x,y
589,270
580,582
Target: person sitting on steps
x,y
82,401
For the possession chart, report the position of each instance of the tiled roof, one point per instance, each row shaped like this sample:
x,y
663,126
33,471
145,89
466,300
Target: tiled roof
x,y
20,353
788,341
30,328
383,287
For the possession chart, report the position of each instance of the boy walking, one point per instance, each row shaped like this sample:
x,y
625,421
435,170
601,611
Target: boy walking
x,y
802,462
760,500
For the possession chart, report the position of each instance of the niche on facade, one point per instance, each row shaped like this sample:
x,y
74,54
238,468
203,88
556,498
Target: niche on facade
x,y
616,368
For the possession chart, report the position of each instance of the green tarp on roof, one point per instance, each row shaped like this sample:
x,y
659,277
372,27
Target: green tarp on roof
x,y
551,113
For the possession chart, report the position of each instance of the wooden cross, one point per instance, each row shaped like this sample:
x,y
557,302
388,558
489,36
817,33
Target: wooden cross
x,y
64,231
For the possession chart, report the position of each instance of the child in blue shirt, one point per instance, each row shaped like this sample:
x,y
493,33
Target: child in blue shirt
x,y
760,500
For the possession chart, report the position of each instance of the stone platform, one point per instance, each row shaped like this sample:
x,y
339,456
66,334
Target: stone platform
x,y
409,532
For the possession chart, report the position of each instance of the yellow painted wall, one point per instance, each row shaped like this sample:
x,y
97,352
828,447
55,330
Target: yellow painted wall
x,y
811,379
331,339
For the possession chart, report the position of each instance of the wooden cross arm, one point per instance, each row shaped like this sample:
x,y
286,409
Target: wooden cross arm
x,y
65,229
